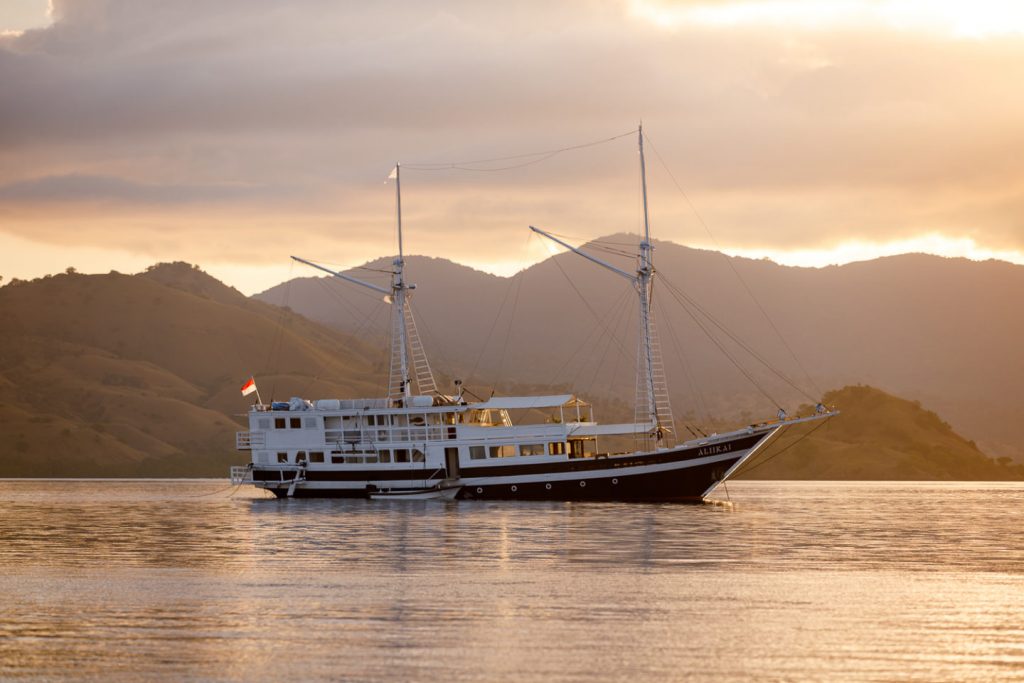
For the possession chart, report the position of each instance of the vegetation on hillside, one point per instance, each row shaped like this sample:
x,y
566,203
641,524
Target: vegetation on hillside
x,y
878,436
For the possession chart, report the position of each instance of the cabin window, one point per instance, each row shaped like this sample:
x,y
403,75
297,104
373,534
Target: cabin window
x,y
477,453
531,449
417,455
282,457
300,456
417,420
401,455
296,423
337,458
581,448
279,423
503,451
264,423
353,459
385,456
449,418
316,456
556,448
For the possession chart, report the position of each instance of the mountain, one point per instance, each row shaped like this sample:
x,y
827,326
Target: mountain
x,y
878,436
137,375
132,375
945,331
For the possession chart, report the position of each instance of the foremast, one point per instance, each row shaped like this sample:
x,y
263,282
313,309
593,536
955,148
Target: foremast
x,y
408,359
652,405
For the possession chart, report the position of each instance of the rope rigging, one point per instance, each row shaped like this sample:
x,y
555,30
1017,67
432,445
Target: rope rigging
x,y
718,344
714,329
541,156
764,461
732,267
702,409
681,296
494,323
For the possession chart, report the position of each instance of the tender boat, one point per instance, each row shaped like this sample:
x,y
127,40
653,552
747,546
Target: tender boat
x,y
419,443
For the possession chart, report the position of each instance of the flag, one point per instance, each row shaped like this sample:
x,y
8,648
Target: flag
x,y
394,173
249,387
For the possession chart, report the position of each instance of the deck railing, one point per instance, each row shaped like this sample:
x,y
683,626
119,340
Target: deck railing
x,y
241,474
246,441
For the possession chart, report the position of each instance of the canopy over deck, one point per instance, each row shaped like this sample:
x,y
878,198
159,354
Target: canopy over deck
x,y
518,402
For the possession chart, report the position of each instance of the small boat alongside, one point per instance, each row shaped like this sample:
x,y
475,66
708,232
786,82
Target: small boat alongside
x,y
418,443
439,492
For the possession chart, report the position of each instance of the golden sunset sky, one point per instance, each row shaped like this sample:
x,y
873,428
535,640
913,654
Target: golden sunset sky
x,y
234,133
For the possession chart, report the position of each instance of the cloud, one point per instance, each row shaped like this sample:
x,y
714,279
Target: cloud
x,y
172,120
75,188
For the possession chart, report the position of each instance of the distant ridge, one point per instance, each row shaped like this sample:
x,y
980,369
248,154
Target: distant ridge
x,y
138,375
944,330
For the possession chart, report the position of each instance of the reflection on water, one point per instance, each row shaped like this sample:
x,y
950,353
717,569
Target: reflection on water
x,y
189,579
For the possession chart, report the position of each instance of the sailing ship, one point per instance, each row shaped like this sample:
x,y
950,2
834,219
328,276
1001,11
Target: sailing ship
x,y
419,443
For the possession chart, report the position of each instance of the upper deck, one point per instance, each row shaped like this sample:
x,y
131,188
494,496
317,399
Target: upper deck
x,y
556,425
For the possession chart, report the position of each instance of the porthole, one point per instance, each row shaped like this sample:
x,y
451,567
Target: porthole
x,y
583,484
479,489
514,488
615,481
547,486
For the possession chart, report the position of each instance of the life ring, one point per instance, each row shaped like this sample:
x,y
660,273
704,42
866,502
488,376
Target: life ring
x,y
583,484
514,488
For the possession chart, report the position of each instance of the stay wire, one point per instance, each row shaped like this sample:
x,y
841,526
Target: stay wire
x,y
494,324
544,156
587,304
614,317
508,329
714,340
701,404
765,461
739,342
732,267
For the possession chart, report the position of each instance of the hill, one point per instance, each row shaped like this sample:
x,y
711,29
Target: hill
x,y
138,375
878,437
945,331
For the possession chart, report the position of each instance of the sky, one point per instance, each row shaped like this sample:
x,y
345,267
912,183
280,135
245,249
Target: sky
x,y
234,134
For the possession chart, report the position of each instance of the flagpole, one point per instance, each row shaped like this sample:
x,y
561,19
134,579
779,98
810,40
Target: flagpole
x,y
258,399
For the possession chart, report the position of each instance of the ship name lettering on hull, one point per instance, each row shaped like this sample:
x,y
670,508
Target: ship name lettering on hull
x,y
715,450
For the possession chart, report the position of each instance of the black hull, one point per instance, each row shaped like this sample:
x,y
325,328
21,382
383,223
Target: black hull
x,y
680,485
685,474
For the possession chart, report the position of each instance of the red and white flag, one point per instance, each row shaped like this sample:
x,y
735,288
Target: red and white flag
x,y
249,387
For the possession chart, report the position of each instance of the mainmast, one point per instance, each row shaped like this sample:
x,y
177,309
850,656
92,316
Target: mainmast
x,y
653,405
644,280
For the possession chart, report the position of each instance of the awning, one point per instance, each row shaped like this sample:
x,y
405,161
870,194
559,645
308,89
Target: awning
x,y
514,402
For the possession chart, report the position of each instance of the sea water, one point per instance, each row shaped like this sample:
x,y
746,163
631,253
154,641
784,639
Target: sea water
x,y
195,580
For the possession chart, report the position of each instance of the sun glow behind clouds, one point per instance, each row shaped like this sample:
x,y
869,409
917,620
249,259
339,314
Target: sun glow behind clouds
x,y
849,252
960,18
